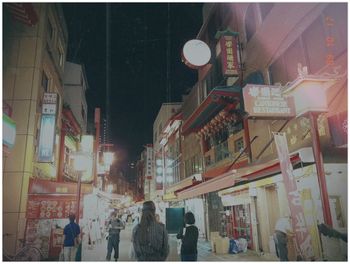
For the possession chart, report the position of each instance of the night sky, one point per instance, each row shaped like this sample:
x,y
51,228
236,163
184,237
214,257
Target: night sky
x,y
138,62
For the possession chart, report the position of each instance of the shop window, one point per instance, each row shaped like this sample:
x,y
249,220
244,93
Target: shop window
x,y
45,82
239,145
250,24
265,8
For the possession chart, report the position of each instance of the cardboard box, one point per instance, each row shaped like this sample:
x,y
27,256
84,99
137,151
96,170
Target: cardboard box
x,y
222,245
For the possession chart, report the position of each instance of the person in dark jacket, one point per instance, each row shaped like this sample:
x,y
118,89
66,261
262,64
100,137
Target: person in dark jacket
x,y
149,237
189,239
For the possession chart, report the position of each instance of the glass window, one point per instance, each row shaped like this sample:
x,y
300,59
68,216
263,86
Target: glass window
x,y
45,82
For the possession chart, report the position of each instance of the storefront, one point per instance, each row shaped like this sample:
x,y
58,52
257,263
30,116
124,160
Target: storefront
x,y
48,208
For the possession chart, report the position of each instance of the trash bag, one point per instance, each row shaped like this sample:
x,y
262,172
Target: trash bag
x,y
233,249
242,244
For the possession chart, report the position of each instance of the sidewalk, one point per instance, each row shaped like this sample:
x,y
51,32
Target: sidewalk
x,y
98,253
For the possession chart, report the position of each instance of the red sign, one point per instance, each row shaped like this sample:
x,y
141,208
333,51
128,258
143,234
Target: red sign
x,y
266,101
229,55
294,200
51,206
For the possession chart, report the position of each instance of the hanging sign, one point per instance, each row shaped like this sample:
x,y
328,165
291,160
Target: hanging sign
x,y
302,235
266,101
149,163
229,55
195,53
47,127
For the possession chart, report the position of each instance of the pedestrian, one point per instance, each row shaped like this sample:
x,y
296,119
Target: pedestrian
x,y
71,239
150,238
189,239
115,225
283,229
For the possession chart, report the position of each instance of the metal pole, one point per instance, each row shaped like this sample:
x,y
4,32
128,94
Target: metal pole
x,y
316,147
78,196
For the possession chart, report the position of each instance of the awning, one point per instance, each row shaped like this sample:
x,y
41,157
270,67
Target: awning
x,y
23,12
232,177
211,106
185,183
214,172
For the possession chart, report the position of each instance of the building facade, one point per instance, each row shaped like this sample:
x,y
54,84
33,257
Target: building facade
x,y
241,183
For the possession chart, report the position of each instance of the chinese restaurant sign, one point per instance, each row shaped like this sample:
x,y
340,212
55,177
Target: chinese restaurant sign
x,y
264,101
300,228
47,128
149,162
229,55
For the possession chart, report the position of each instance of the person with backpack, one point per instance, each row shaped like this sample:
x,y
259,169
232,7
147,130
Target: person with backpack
x,y
149,237
189,239
114,226
71,239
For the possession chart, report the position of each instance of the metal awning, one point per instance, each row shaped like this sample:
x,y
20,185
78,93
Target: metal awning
x,y
217,99
230,178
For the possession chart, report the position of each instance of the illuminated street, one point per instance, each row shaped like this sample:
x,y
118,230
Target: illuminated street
x,y
199,131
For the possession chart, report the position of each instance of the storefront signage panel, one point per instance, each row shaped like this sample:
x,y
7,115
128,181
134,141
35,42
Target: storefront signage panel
x,y
51,207
265,101
47,138
229,55
299,224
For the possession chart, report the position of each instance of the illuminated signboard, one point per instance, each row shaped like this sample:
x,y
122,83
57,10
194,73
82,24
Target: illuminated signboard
x,y
267,101
227,47
47,138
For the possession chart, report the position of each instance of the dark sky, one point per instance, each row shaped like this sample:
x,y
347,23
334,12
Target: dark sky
x,y
138,62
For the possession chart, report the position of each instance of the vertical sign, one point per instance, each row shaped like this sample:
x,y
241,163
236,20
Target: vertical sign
x,y
294,199
229,55
47,127
149,162
330,40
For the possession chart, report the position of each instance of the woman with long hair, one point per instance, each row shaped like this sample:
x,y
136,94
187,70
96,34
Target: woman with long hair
x,y
150,238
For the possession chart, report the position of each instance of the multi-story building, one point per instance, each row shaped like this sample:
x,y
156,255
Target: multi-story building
x,y
34,59
278,48
75,86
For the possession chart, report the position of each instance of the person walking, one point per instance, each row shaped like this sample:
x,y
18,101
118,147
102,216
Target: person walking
x,y
71,239
115,225
189,239
149,237
282,230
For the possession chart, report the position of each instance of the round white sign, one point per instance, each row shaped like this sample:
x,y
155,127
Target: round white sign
x,y
196,53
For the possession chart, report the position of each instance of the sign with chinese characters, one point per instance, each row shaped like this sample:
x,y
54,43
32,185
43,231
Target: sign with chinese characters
x,y
300,228
265,101
48,127
149,162
229,55
330,40
47,138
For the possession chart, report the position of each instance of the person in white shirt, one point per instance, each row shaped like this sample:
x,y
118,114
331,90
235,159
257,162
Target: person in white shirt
x,y
282,228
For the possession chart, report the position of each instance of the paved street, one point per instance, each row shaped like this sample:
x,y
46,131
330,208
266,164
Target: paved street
x,y
98,253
